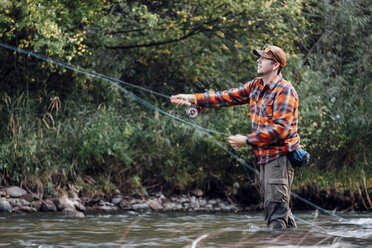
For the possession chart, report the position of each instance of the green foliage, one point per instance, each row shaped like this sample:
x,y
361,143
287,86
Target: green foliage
x,y
335,85
193,45
60,127
52,28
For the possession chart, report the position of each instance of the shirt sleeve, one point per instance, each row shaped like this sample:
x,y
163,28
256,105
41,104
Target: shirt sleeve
x,y
231,97
279,125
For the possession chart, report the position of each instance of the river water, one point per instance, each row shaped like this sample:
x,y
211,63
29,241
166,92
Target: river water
x,y
131,229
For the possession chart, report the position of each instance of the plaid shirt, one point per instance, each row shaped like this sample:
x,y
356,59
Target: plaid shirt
x,y
274,114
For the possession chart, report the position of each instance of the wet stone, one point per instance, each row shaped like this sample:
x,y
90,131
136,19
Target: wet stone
x,y
48,206
197,192
155,205
69,212
194,203
116,199
26,209
37,205
186,205
184,199
125,205
169,206
78,205
2,192
225,207
15,191
5,205
141,207
208,207
108,208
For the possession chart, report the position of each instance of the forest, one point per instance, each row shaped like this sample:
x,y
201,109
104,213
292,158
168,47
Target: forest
x,y
61,128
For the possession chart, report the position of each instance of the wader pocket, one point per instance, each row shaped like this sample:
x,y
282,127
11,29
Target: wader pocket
x,y
277,190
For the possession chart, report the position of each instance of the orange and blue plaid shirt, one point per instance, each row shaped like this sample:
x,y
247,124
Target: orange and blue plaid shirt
x,y
273,112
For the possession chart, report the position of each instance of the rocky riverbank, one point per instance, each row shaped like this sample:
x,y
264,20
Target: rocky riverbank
x,y
15,199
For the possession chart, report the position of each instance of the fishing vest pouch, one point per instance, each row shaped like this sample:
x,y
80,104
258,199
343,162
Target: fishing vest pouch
x,y
299,158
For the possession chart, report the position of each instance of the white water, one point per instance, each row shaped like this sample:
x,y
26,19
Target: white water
x,y
208,230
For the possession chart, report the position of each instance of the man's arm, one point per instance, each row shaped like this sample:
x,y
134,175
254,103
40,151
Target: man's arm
x,y
232,97
216,99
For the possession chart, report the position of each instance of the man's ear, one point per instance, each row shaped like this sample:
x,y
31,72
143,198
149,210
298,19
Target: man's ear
x,y
276,66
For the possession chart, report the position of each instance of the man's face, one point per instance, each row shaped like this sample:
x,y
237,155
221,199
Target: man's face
x,y
264,66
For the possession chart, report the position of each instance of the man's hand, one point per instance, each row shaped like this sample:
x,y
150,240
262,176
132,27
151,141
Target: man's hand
x,y
236,141
182,99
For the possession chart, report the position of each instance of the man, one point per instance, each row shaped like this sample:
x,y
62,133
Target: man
x,y
274,115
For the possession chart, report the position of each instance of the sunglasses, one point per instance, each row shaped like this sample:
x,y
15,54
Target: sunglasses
x,y
267,50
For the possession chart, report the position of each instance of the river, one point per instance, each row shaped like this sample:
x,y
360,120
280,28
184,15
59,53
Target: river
x,y
185,229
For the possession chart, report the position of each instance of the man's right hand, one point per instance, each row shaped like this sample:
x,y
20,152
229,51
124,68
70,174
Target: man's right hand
x,y
182,99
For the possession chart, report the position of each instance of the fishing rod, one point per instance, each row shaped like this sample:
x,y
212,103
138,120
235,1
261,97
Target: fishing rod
x,y
115,82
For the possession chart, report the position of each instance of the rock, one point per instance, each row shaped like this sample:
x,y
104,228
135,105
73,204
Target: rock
x,y
197,192
24,209
141,207
154,205
170,206
212,202
178,207
186,205
78,205
69,212
108,208
48,206
15,202
15,191
2,193
202,202
5,205
194,203
184,199
25,202
225,207
37,205
116,199
125,205
65,202
29,197
209,207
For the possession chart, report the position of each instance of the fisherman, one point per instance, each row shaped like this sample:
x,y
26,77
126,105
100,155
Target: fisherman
x,y
274,115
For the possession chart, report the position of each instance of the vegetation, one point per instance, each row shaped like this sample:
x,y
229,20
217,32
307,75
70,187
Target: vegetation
x,y
61,128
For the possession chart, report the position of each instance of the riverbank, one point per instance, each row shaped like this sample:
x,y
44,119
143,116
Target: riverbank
x,y
15,200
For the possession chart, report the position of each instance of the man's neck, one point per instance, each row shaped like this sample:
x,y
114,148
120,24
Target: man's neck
x,y
267,78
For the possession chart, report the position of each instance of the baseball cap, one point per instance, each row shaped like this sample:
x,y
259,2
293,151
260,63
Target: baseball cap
x,y
272,52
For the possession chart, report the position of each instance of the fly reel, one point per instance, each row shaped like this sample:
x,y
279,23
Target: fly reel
x,y
193,111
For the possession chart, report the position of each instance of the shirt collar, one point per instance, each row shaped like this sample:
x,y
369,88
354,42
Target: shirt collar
x,y
275,81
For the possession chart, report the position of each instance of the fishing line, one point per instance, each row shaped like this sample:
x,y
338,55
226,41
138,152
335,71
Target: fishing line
x,y
140,100
246,165
114,82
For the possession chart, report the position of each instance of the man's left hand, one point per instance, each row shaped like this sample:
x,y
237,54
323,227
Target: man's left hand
x,y
236,141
